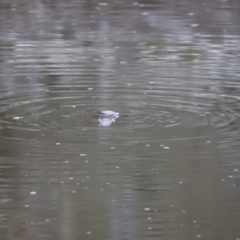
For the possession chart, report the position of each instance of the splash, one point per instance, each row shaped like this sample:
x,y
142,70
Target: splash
x,y
107,117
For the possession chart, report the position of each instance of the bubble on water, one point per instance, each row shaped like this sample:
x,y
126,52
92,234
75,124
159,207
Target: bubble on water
x,y
82,154
33,192
58,143
166,147
147,209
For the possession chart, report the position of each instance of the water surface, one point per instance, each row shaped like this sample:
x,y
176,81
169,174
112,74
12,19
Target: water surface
x,y
168,168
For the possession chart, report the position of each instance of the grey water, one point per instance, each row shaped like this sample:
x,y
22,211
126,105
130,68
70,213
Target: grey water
x,y
168,167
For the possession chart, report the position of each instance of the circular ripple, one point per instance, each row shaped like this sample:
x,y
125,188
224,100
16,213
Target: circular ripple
x,y
74,110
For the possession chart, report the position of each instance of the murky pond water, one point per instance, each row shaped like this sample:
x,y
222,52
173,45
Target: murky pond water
x,y
167,168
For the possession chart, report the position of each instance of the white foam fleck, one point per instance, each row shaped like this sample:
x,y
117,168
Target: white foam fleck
x,y
17,117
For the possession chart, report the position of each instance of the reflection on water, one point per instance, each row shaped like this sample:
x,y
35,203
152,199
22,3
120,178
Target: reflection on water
x,y
167,168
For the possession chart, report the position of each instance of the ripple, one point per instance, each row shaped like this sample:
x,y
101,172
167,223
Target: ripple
x,y
158,107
